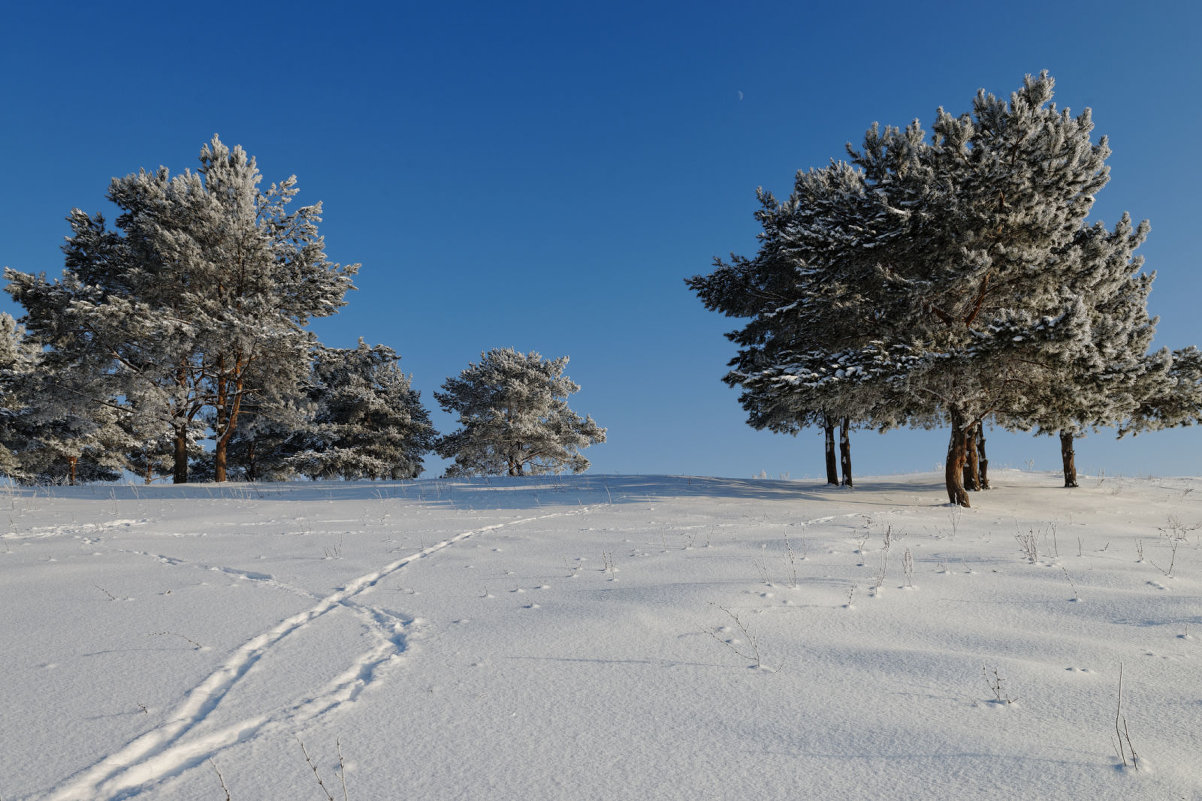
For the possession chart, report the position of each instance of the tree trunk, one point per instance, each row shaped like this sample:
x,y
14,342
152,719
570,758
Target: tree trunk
x,y
972,466
845,451
832,465
180,474
149,471
180,465
219,459
251,468
953,469
982,461
222,428
1068,456
72,463
229,405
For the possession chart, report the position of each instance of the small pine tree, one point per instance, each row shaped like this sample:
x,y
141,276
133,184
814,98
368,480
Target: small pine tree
x,y
51,431
514,417
70,444
368,422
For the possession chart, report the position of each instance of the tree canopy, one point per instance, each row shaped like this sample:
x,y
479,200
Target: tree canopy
x,y
514,418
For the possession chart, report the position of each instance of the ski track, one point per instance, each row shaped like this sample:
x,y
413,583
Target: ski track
x,y
164,752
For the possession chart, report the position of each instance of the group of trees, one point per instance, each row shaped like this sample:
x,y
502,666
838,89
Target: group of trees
x,y
188,322
953,280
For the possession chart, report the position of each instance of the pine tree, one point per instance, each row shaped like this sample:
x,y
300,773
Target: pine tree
x,y
50,433
73,443
802,295
197,302
369,421
967,263
998,289
514,417
19,360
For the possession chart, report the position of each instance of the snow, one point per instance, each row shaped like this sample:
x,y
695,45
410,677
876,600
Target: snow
x,y
599,637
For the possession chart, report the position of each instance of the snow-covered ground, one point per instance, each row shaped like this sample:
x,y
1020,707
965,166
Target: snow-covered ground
x,y
602,638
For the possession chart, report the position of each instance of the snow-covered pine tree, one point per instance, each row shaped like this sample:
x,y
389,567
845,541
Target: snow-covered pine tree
x,y
50,432
802,295
514,417
966,267
208,281
116,323
18,363
369,422
73,442
973,283
271,275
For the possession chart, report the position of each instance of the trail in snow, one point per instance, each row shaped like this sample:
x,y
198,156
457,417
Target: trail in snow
x,y
166,750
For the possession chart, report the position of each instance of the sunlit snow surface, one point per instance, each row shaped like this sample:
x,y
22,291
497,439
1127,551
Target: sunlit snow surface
x,y
602,638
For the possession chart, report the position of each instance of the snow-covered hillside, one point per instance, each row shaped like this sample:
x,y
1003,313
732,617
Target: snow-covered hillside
x,y
602,638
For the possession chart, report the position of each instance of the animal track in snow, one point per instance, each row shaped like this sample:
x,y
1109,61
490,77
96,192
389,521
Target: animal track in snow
x,y
246,575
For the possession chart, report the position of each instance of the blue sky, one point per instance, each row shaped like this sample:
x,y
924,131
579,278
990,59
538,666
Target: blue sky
x,y
545,175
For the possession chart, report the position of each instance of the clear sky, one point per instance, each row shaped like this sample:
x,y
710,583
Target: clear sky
x,y
545,175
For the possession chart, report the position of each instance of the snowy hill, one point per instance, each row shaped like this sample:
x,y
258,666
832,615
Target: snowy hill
x,y
602,638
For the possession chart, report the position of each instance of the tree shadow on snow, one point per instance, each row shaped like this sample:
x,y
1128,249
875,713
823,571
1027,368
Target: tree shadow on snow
x,y
521,493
